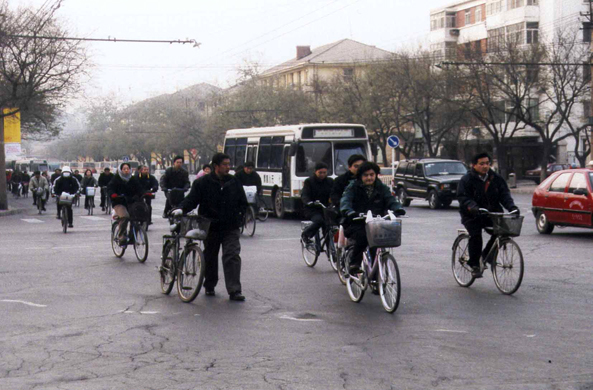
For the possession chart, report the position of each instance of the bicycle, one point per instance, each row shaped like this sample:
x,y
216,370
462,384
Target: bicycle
x,y
39,195
136,234
65,201
186,265
321,243
107,201
382,272
25,189
146,196
90,194
249,219
505,256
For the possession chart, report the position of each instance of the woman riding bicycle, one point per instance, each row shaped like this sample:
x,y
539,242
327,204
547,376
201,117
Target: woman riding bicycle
x,y
124,189
365,193
88,181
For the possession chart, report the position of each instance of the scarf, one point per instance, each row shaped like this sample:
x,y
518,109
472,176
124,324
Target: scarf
x,y
127,177
369,190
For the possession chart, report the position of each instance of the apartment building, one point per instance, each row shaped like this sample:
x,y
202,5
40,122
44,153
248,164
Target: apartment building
x,y
480,24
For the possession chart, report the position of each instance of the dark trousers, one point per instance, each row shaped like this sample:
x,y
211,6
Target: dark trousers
x,y
474,228
358,233
149,204
103,195
318,222
69,212
87,201
231,259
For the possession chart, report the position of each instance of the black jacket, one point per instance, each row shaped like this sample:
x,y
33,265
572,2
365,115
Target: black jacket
x,y
174,179
104,179
339,187
249,180
66,184
472,194
77,176
222,201
148,183
130,190
53,178
356,201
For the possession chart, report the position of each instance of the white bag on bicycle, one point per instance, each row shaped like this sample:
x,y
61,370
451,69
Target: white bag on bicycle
x,y
342,240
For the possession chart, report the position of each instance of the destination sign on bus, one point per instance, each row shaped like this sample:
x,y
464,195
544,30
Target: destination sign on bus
x,y
333,133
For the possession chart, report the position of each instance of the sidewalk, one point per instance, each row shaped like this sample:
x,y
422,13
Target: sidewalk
x,y
524,187
17,205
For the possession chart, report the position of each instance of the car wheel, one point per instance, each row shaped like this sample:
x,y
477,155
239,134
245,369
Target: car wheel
x,y
446,203
433,200
543,225
402,197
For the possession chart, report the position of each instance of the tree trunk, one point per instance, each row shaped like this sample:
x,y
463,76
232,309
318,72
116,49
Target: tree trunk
x,y
544,161
383,148
501,158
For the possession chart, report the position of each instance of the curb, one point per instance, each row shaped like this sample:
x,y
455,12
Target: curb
x,y
11,211
519,190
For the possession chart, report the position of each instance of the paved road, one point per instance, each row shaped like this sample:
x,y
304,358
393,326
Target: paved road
x,y
76,317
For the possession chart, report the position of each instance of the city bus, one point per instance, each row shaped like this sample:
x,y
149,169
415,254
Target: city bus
x,y
31,165
285,156
89,165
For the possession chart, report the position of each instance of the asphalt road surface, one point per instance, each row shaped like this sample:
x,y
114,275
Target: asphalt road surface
x,y
76,317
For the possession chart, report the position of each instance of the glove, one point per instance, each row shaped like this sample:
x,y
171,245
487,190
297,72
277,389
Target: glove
x,y
474,211
113,196
399,212
515,210
351,215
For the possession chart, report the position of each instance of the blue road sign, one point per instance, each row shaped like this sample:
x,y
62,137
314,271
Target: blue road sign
x,y
125,159
393,141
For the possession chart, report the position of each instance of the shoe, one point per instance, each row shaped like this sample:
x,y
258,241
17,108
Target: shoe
x,y
58,217
165,215
306,240
237,296
102,208
354,270
122,241
476,273
43,209
34,204
149,223
70,225
210,292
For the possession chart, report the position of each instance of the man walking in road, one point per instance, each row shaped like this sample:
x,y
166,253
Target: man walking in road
x,y
221,199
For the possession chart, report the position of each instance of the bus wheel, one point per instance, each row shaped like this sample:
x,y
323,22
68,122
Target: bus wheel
x,y
278,204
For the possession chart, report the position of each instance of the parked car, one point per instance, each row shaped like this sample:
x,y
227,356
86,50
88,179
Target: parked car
x,y
534,174
564,199
386,176
435,180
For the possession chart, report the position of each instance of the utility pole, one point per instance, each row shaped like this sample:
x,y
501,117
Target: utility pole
x,y
3,194
589,131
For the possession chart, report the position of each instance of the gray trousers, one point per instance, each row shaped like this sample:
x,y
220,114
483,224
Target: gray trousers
x,y
231,259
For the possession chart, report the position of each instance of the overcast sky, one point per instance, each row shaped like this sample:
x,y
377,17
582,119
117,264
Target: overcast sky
x,y
230,31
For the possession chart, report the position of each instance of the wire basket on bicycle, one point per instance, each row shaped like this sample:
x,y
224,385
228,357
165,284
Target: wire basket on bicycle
x,y
331,216
383,233
507,225
196,224
139,211
66,199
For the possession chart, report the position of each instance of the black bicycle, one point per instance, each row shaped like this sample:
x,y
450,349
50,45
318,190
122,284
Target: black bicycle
x,y
324,242
65,201
107,200
505,256
184,263
136,234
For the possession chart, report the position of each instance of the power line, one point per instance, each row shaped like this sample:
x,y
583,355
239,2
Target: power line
x,y
114,40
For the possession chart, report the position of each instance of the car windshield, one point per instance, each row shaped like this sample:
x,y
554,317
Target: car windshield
x,y
445,168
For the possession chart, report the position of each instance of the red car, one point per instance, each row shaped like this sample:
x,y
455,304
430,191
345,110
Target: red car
x,y
564,199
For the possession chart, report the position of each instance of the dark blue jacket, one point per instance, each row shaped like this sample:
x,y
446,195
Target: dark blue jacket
x,y
472,194
355,199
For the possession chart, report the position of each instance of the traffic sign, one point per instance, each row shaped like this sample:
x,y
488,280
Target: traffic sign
x,y
125,159
393,141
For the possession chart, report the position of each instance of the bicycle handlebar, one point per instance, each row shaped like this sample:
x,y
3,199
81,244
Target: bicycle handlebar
x,y
317,203
486,212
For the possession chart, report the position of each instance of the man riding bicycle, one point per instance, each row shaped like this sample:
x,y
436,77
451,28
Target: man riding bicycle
x,y
316,188
39,181
342,181
365,193
104,179
149,185
124,189
249,177
68,184
480,188
174,178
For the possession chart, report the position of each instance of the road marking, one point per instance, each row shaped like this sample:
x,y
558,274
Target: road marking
x,y
280,239
149,312
127,311
72,247
33,220
285,317
450,331
530,335
93,218
23,302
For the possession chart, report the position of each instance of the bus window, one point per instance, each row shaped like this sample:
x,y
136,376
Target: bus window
x,y
229,148
276,152
343,151
240,151
265,150
309,154
250,153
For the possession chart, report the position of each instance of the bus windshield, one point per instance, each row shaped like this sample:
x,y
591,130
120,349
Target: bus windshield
x,y
309,154
342,152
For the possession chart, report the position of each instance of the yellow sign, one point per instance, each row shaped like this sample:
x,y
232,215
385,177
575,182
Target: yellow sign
x,y
12,126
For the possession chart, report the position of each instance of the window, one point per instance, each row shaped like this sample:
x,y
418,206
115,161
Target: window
x,y
265,151
586,109
342,152
496,38
493,7
515,33
451,19
560,183
411,169
445,168
479,14
401,168
587,31
437,21
532,73
532,32
586,72
578,181
419,171
309,154
532,2
511,4
348,74
236,149
468,14
276,152
533,109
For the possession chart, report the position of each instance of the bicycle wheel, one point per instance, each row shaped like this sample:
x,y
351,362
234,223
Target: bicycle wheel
x,y
389,283
341,256
64,219
263,214
107,206
461,271
250,222
355,287
331,252
190,274
508,269
167,269
310,253
92,206
140,242
39,204
118,250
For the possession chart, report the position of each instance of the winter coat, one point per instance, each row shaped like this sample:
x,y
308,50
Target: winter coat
x,y
88,182
104,179
249,180
148,183
474,193
130,190
66,184
38,183
221,200
356,201
174,179
339,187
316,190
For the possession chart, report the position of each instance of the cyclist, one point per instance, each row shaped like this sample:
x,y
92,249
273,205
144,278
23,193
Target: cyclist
x,y
365,193
77,175
249,177
221,198
104,179
16,180
25,179
174,177
124,189
57,173
315,188
342,181
88,181
39,181
206,169
480,188
66,183
149,185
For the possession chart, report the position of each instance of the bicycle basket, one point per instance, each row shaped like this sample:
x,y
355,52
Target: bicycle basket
x,y
66,199
384,233
90,191
139,211
331,215
250,193
507,225
197,225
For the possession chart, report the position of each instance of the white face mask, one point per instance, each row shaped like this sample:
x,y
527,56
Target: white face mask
x,y
66,174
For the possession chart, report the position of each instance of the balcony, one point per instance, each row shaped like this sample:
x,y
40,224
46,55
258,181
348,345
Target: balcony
x,y
529,13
